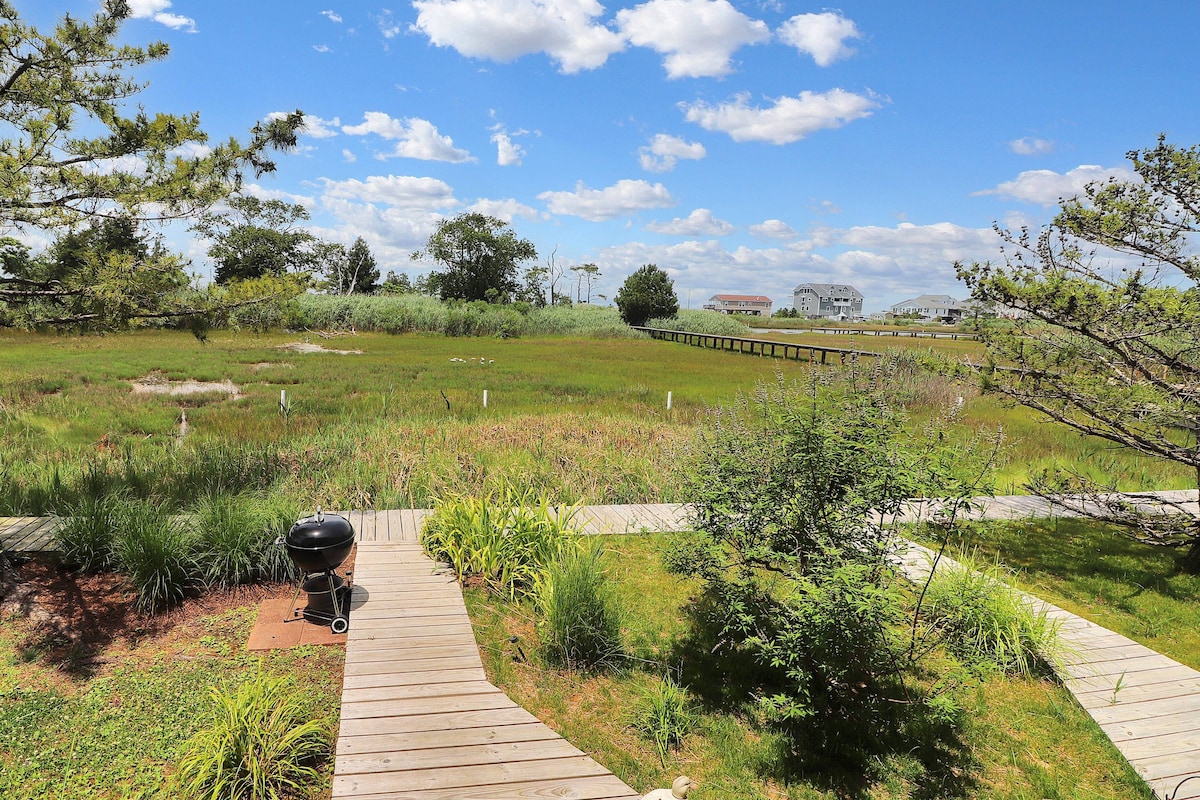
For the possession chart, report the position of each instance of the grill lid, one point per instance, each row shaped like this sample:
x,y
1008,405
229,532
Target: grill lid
x,y
319,531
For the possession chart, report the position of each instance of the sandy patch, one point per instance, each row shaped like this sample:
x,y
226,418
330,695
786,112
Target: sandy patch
x,y
269,364
154,384
307,347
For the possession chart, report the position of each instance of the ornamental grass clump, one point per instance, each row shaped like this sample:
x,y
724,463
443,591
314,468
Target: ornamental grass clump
x,y
234,539
260,744
152,550
85,531
579,619
987,623
504,539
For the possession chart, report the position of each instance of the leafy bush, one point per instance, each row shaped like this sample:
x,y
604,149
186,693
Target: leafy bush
x,y
664,714
695,321
506,539
260,744
579,619
986,622
153,551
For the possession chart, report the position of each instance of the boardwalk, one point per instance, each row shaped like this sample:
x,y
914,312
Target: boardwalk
x,y
419,719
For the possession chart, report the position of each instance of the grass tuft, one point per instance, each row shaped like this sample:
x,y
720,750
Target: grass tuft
x,y
579,617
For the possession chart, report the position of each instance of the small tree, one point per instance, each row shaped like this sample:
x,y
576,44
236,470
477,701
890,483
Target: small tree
x,y
348,270
480,256
647,294
70,155
1107,339
255,238
585,276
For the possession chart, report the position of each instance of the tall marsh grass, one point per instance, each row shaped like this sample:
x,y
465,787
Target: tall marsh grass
x,y
151,549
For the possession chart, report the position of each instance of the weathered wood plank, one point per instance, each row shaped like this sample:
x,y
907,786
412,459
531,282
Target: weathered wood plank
x,y
443,721
459,737
598,787
410,675
460,757
462,778
433,688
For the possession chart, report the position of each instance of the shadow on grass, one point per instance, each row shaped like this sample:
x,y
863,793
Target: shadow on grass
x,y
870,742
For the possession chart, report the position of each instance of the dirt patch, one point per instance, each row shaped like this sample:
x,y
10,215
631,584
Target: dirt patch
x,y
155,383
77,623
260,366
308,347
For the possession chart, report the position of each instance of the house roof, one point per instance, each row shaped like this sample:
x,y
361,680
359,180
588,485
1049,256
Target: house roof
x,y
830,289
929,301
754,298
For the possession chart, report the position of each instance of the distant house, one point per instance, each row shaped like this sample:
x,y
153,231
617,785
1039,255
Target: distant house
x,y
828,301
941,307
754,305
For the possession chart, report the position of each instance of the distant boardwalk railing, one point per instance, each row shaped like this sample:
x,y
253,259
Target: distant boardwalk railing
x,y
761,347
952,335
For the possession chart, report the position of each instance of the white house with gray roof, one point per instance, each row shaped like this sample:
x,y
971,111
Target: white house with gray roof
x,y
931,306
827,300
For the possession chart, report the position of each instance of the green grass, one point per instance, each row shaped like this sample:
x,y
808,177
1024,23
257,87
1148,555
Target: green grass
x,y
1090,570
118,731
1023,738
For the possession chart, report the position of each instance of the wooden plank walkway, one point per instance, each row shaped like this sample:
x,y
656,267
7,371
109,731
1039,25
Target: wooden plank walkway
x,y
419,719
27,534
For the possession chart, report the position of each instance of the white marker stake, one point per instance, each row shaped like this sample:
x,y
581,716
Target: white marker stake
x,y
485,398
668,401
282,398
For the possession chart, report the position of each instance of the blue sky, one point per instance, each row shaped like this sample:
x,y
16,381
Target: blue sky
x,y
743,145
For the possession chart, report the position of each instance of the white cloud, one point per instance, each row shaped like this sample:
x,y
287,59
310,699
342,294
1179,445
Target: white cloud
x,y
399,191
698,37
263,193
349,156
504,30
388,25
332,16
1031,146
664,151
191,150
623,197
322,48
1046,187
773,229
417,138
314,126
507,210
700,222
156,10
508,152
788,120
822,36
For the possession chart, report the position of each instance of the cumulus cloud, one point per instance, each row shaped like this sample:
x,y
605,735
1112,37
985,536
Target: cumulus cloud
x,y
1046,188
415,138
623,197
507,209
349,156
697,37
787,120
504,30
398,191
700,222
332,16
773,229
263,193
157,10
508,152
1031,146
822,36
313,126
664,151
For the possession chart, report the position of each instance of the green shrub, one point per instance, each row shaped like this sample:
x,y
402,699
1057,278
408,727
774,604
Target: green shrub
x,y
85,531
234,539
506,538
711,322
664,714
152,550
259,744
987,623
579,621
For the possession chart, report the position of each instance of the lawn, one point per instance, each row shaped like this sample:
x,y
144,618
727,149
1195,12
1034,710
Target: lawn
x,y
1025,738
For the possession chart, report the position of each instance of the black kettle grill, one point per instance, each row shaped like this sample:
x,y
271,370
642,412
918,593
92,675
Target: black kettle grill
x,y
318,545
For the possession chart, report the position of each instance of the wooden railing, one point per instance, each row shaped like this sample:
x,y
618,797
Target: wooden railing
x,y
761,347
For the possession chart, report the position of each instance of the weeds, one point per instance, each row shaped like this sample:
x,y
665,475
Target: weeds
x,y
664,715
